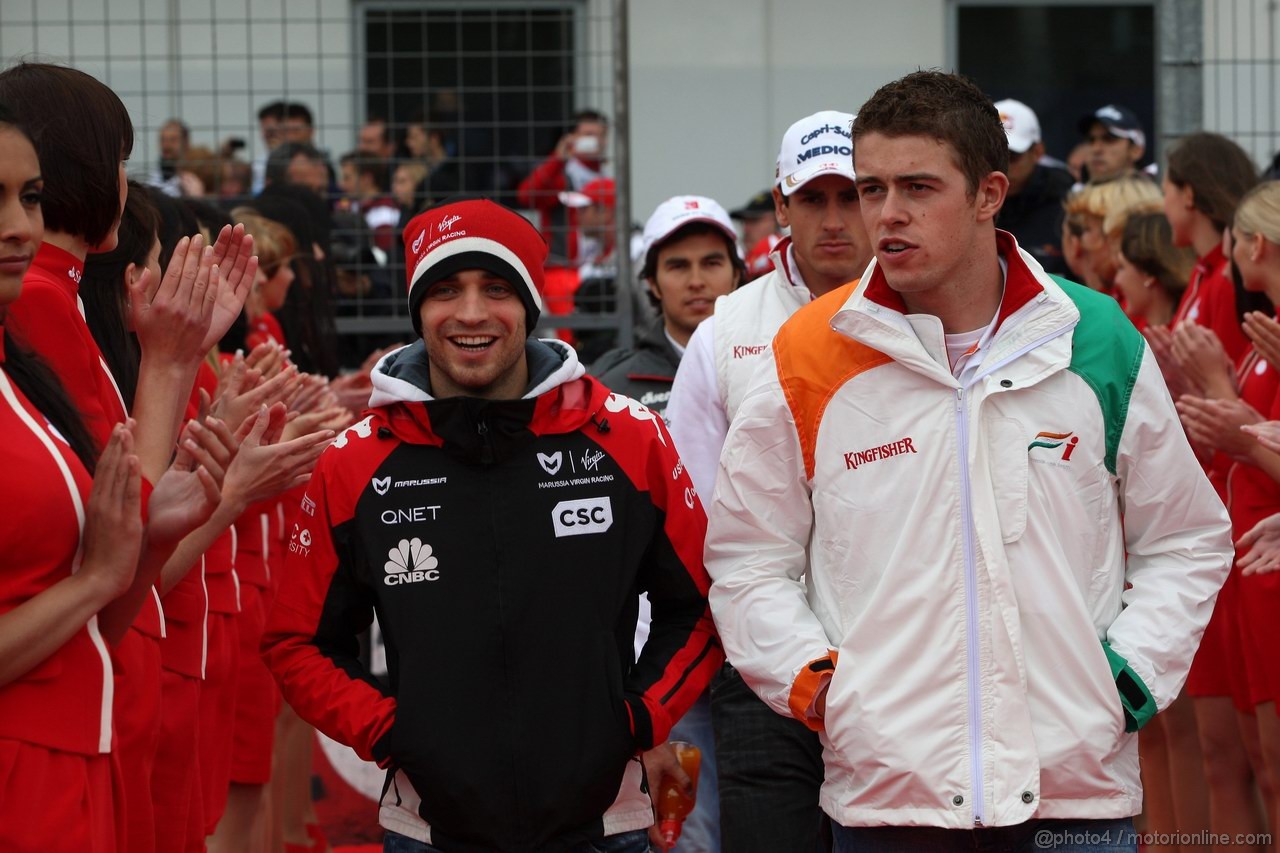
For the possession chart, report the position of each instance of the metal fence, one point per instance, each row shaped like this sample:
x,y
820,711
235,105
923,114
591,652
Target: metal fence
x,y
1218,72
467,97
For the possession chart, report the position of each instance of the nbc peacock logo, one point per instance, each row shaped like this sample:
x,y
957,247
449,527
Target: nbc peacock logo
x,y
1054,440
411,561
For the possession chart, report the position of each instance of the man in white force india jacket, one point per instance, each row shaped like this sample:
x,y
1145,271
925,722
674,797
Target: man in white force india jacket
x,y
948,448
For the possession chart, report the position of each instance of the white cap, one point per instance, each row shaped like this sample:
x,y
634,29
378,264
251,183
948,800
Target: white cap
x,y
1020,124
679,211
817,145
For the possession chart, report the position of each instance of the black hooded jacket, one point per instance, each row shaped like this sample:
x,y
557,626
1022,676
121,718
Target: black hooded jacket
x,y
503,545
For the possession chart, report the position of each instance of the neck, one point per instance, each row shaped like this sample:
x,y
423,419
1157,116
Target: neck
x,y
1160,313
1272,288
818,283
1204,236
68,243
967,300
509,386
680,336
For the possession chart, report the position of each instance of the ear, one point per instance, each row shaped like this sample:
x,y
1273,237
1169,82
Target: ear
x,y
991,193
780,208
652,284
1186,195
1258,247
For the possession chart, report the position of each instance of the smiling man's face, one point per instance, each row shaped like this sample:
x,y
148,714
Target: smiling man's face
x,y
473,325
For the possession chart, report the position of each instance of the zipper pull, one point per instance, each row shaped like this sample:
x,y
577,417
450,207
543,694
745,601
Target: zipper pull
x,y
486,451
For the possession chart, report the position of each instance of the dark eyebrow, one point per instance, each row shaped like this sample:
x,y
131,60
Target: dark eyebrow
x,y
912,178
38,179
917,178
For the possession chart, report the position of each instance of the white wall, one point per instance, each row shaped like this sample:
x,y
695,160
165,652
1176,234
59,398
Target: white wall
x,y
715,83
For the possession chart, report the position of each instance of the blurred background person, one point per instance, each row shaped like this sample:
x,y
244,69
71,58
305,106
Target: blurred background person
x,y
760,232
1115,140
1032,210
576,161
175,139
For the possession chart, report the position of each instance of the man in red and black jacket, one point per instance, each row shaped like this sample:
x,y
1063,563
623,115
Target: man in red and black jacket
x,y
501,513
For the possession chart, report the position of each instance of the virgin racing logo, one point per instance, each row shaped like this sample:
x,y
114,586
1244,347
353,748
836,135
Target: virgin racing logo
x,y
410,562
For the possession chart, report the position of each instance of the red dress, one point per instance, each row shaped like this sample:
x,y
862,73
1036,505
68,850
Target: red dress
x,y
48,318
1253,496
56,720
1210,301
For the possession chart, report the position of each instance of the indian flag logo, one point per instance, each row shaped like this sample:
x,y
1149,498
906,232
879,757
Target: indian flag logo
x,y
1054,440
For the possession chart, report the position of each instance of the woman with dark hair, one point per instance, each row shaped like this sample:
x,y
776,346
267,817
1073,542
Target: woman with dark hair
x,y
1206,176
1151,272
307,316
104,288
1222,417
82,145
1205,179
71,547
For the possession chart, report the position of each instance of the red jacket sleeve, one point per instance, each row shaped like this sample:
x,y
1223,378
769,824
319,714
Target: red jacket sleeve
x,y
683,650
311,641
541,188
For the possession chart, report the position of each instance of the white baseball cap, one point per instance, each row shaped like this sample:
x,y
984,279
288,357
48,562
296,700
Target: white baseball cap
x,y
679,211
1020,124
819,144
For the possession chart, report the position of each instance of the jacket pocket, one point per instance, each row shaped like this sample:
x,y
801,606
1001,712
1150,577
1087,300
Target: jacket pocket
x,y
1007,461
1101,666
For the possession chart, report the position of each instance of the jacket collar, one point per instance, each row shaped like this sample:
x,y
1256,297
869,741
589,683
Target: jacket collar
x,y
654,338
1033,312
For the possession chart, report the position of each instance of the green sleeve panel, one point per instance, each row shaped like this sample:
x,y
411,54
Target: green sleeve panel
x,y
1139,704
1106,352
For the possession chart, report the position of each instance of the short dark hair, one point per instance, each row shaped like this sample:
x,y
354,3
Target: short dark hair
x,y
374,118
367,164
589,115
274,110
947,107
180,125
282,155
650,270
1218,171
81,132
293,109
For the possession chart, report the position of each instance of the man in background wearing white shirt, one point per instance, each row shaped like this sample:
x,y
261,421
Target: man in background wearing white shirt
x,y
770,767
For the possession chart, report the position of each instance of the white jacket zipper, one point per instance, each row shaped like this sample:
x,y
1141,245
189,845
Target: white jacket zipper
x,y
971,616
971,578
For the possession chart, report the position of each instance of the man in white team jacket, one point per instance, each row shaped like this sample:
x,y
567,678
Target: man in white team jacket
x,y
947,447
